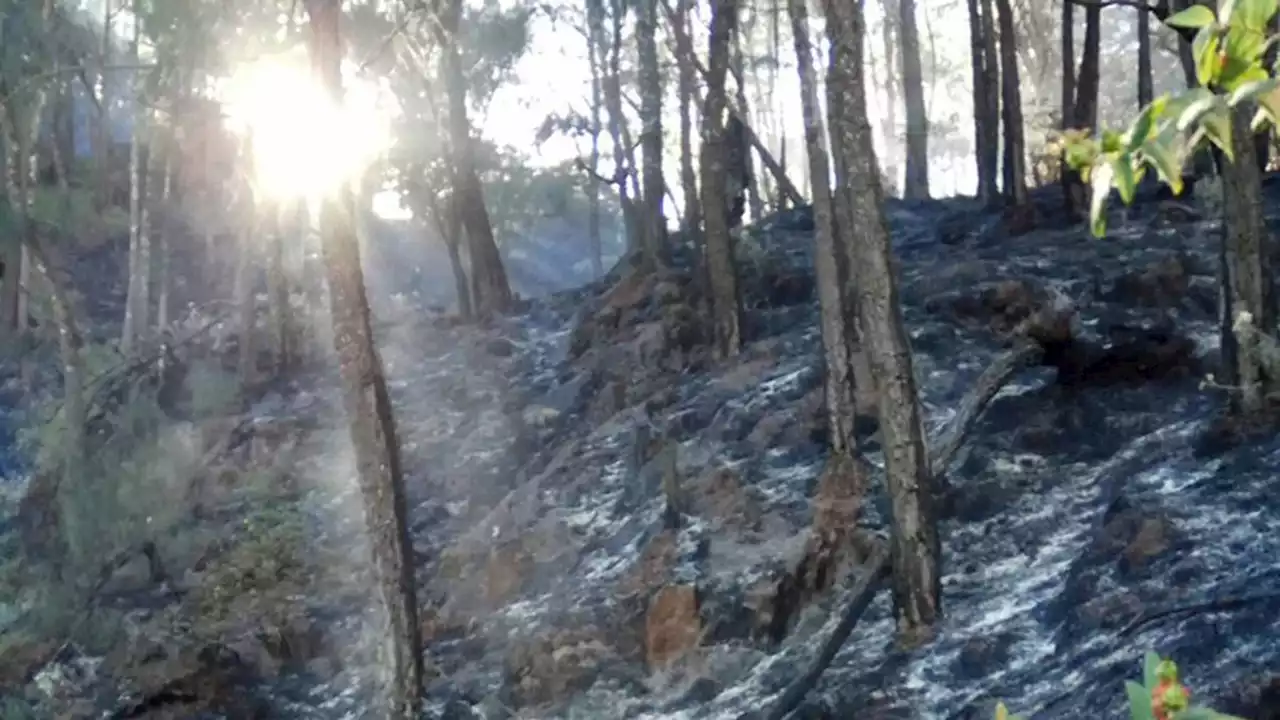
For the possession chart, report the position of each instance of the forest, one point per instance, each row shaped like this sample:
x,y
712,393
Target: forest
x,y
688,359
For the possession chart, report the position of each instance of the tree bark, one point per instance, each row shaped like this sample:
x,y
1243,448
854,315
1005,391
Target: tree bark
x,y
916,550
991,103
725,303
1248,303
1015,154
1146,83
988,189
490,290
368,408
890,38
650,80
738,70
593,189
688,90
1084,111
829,261
135,305
916,183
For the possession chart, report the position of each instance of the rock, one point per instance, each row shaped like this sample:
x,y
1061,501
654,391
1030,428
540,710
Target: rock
x,y
22,657
1161,284
673,627
554,665
720,497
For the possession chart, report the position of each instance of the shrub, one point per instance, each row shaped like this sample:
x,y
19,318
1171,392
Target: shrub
x,y
1160,696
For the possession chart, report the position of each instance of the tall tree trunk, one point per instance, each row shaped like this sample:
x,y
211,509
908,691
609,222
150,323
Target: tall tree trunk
x,y
890,38
991,102
1015,154
983,154
1186,56
916,184
688,90
624,160
368,408
916,550
829,259
1146,84
490,289
245,290
102,126
593,189
725,302
1084,111
164,229
738,68
135,312
277,292
650,80
1248,298
1068,92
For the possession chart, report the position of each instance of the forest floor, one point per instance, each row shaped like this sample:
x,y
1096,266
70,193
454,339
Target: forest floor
x,y
543,450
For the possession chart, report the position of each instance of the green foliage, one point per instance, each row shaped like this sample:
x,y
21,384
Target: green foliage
x,y
1160,696
1229,48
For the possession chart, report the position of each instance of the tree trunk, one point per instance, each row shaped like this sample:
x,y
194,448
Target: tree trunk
x,y
278,292
738,68
593,189
725,303
1248,305
1146,83
916,551
688,90
650,81
490,290
987,185
890,39
164,229
1084,112
135,310
916,184
1067,102
1015,163
368,408
102,127
991,103
245,288
829,261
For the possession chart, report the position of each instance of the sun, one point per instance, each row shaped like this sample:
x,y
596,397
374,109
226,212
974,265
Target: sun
x,y
305,146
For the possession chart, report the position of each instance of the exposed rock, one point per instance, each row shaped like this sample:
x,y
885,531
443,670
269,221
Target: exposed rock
x,y
673,627
550,667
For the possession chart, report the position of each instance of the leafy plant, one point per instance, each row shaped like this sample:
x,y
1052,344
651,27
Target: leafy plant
x,y
1229,48
1160,696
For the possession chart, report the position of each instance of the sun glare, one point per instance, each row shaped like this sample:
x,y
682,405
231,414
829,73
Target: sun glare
x,y
304,146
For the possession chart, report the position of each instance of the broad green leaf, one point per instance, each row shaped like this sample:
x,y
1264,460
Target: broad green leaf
x,y
1194,17
1139,701
1112,141
1167,161
1124,178
1226,9
1252,89
1270,103
1144,125
1254,14
1217,127
1150,664
1236,73
1205,50
1199,102
1100,182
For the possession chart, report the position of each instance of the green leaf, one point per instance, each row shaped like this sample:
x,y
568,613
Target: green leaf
x,y
1112,141
1237,73
1199,102
1217,127
1150,663
1205,50
1167,162
1144,125
1139,701
1254,14
1226,8
1124,178
1252,89
1194,17
1100,181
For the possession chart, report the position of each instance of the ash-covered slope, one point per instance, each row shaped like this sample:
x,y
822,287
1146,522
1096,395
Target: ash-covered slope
x,y
1083,501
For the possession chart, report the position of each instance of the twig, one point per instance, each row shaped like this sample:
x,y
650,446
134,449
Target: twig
x,y
1232,602
874,571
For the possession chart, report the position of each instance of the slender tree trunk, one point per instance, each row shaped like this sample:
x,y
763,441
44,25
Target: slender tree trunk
x,y
655,225
916,550
725,302
987,187
738,68
1015,162
1146,83
593,189
368,406
164,229
491,292
1084,111
245,288
890,39
623,156
134,311
688,90
829,260
102,126
278,292
1067,103
991,101
916,184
